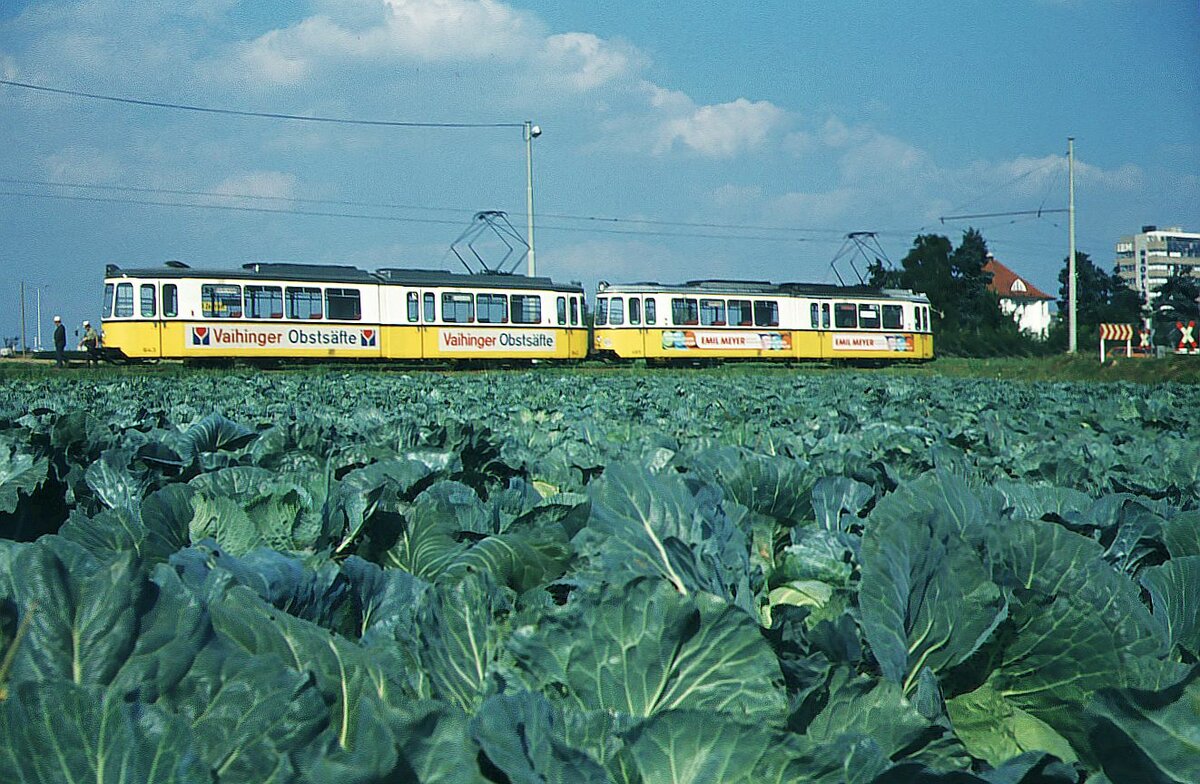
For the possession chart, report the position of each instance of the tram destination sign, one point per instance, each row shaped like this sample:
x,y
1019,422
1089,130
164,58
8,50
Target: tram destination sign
x,y
486,341
282,337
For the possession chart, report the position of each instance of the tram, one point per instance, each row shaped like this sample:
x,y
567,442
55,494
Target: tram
x,y
726,320
301,311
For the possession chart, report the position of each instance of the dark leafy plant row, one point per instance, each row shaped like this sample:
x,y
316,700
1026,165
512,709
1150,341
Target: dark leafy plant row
x,y
638,578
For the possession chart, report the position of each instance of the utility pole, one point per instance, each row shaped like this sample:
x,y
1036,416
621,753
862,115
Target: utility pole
x,y
24,345
531,132
1072,291
39,319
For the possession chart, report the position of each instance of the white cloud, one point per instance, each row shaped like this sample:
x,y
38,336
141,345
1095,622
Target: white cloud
x,y
816,210
629,260
582,61
270,184
721,130
453,29
424,31
82,164
8,67
735,196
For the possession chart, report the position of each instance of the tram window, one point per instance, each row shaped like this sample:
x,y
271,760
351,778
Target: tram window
x,y
263,302
303,303
893,317
574,311
216,301
526,309
343,304
814,317
845,315
170,299
712,312
868,316
651,312
824,315
685,312
740,313
414,307
616,311
108,296
458,308
601,311
561,311
635,310
430,316
124,300
146,300
492,308
766,313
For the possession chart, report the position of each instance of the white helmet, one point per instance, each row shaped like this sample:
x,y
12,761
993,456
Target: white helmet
x,y
57,319
87,323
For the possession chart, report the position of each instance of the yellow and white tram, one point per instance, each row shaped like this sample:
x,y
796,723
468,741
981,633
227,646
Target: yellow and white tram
x,y
726,320
277,311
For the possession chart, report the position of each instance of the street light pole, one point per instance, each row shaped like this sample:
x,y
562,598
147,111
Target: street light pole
x,y
1072,285
531,132
24,345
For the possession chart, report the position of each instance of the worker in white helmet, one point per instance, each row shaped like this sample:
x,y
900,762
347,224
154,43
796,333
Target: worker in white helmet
x,y
60,343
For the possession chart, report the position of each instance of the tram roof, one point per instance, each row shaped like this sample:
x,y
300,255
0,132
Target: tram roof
x,y
324,273
761,287
335,273
486,280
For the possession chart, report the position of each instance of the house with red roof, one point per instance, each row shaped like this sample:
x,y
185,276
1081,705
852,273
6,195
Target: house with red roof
x,y
1020,299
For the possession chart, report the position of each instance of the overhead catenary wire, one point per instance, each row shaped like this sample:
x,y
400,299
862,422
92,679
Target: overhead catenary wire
x,y
458,210
246,113
394,218
142,102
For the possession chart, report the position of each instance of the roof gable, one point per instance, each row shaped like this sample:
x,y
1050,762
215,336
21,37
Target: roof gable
x,y
1008,285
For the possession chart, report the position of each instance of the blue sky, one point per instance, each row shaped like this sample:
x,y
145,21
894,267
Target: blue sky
x,y
664,124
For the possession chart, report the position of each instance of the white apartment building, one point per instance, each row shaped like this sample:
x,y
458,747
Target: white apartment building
x,y
1146,260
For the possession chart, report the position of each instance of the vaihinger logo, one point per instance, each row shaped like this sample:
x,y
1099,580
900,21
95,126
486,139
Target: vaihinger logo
x,y
368,337
201,336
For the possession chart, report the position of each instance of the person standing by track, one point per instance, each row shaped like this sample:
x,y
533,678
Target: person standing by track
x,y
60,343
91,344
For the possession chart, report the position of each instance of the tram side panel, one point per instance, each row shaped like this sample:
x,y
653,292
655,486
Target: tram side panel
x,y
503,325
743,325
717,326
400,330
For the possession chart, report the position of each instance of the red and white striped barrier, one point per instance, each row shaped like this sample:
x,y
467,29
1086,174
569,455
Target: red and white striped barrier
x,y
1116,332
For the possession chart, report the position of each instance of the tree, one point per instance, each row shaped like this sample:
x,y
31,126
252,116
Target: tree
x,y
1101,298
966,313
1175,302
978,306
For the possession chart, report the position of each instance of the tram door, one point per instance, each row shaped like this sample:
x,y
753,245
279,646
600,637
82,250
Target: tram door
x,y
427,341
824,340
148,309
636,321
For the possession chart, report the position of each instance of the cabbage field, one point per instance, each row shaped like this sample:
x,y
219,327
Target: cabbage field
x,y
572,576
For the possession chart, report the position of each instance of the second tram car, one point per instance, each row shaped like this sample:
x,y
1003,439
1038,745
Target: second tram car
x,y
726,320
276,311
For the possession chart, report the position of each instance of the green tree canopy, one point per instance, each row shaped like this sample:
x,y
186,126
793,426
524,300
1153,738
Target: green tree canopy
x,y
1101,299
